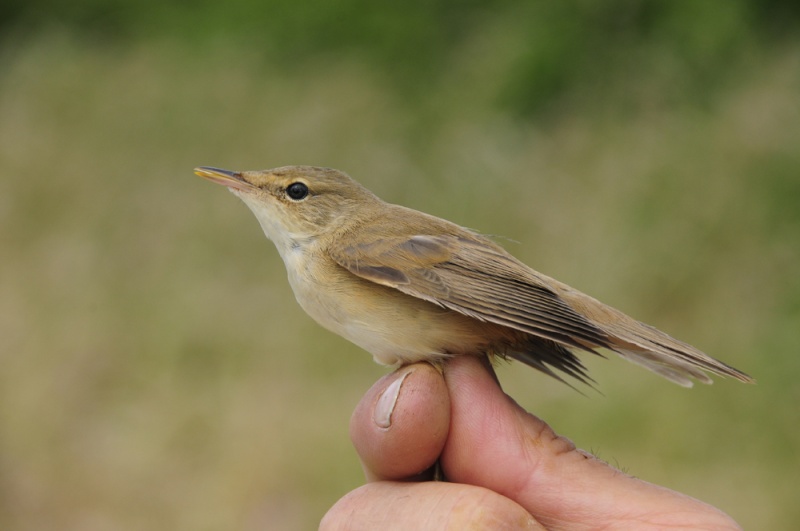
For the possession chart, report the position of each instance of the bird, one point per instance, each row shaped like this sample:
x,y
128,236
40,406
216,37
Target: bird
x,y
407,286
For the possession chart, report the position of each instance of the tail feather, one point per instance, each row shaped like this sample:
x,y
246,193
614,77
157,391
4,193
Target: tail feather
x,y
675,360
545,355
634,341
646,345
669,368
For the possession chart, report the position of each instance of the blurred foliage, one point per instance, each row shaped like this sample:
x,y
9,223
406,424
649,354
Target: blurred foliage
x,y
156,371
551,46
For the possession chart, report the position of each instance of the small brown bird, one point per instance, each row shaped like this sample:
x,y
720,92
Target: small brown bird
x,y
407,286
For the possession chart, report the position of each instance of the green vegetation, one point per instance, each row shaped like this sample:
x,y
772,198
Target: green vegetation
x,y
156,371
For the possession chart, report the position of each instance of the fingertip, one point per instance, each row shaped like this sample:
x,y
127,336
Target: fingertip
x,y
431,505
400,426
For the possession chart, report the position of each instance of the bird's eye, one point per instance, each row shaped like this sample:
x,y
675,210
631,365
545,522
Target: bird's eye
x,y
297,191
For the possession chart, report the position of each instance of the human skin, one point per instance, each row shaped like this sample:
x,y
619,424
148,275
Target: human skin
x,y
505,468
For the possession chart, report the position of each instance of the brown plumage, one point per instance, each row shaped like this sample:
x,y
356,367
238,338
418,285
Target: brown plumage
x,y
408,286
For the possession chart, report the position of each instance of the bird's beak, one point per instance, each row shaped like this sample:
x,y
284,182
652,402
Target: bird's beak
x,y
231,179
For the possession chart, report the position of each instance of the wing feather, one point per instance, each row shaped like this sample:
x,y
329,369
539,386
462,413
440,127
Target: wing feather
x,y
473,277
467,273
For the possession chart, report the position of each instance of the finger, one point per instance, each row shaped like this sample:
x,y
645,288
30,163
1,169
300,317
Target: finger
x,y
400,426
388,506
496,444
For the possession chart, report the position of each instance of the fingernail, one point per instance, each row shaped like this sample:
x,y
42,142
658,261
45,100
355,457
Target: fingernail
x,y
382,416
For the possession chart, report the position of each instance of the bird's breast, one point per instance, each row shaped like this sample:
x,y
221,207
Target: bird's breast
x,y
394,327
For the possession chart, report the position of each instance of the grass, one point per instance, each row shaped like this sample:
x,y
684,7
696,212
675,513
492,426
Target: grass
x,y
158,374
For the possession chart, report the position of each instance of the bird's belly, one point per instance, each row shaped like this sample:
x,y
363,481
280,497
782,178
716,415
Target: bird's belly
x,y
394,327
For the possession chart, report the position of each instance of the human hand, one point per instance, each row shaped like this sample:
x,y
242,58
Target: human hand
x,y
505,468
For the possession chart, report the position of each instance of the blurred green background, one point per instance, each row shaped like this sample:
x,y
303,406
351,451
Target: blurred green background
x,y
156,370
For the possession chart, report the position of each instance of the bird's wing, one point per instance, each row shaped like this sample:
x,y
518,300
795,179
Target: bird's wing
x,y
473,277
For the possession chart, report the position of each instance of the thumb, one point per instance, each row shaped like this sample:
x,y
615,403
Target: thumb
x,y
494,443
